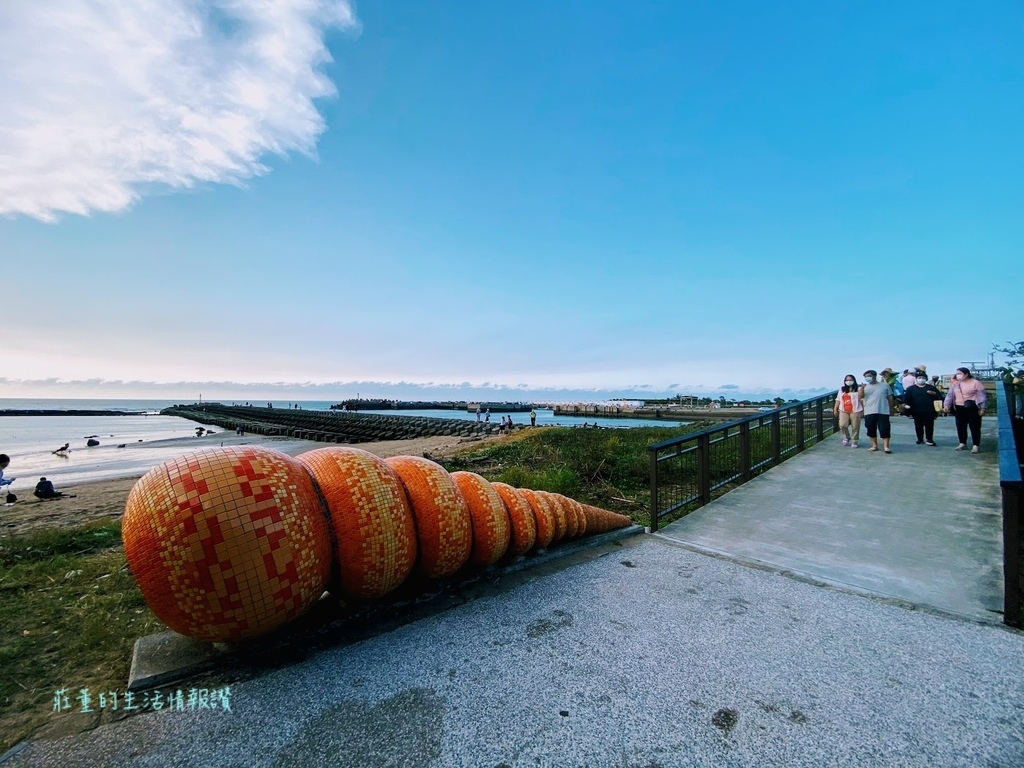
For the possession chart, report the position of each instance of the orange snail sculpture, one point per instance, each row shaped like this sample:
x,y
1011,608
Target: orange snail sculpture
x,y
231,543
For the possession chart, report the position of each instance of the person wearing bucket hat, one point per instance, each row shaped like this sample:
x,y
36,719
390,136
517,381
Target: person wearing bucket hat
x,y
888,376
966,398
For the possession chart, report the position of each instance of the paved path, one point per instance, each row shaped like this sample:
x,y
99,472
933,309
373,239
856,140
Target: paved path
x,y
652,655
922,524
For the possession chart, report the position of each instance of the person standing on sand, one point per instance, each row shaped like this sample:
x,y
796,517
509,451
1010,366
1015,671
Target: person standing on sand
x,y
878,401
919,401
849,409
966,398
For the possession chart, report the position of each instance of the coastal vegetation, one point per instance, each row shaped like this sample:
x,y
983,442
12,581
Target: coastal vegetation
x,y
71,612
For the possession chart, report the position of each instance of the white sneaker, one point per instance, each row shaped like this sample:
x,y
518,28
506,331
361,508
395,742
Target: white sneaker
x,y
975,449
845,442
961,447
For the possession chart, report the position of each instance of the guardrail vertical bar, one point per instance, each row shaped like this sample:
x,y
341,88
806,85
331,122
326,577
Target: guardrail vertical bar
x,y
776,437
704,469
654,489
799,427
744,452
819,418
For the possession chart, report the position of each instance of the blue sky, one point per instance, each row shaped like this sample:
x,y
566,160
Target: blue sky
x,y
619,197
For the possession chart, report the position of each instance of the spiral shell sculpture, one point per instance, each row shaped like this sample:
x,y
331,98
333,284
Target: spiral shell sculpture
x,y
231,543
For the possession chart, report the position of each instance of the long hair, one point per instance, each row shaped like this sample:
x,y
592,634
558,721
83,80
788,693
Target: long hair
x,y
855,386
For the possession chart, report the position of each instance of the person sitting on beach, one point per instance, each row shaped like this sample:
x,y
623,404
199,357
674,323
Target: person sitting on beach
x,y
45,490
5,460
62,450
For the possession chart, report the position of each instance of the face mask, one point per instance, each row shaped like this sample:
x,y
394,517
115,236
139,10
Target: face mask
x,y
850,382
922,381
959,377
869,379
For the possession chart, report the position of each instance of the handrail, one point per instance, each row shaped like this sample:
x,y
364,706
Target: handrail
x,y
1013,513
687,471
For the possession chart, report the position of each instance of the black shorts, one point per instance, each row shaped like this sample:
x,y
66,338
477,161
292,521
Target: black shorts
x,y
878,423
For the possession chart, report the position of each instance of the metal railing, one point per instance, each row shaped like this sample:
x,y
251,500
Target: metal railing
x,y
1011,435
687,472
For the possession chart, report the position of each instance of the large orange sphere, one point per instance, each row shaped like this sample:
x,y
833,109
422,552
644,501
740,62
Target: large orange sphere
x,y
443,528
375,540
489,518
227,544
524,525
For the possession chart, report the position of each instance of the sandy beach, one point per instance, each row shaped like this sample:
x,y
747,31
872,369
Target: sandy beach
x,y
106,498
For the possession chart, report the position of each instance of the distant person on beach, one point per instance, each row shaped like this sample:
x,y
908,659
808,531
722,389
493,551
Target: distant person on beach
x,y
5,461
62,450
487,416
45,490
849,410
478,413
533,418
878,402
966,398
919,401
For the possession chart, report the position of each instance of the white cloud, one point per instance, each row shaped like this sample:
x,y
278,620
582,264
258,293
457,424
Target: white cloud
x,y
101,99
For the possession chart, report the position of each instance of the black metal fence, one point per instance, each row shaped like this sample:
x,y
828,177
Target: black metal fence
x,y
687,472
1011,440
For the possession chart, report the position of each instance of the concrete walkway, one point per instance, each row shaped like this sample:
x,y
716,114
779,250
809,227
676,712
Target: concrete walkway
x,y
922,524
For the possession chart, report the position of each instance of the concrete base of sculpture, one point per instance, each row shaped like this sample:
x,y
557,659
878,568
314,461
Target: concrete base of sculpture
x,y
167,657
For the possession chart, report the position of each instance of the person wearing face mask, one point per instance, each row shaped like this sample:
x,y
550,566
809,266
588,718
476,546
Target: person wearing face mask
x,y
877,399
919,402
848,408
966,398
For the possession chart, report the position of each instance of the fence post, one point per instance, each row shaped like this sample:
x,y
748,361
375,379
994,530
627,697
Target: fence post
x,y
744,451
776,437
654,489
704,469
819,416
799,427
1013,568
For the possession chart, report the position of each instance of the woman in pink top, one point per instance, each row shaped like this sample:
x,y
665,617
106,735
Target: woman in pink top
x,y
849,408
966,398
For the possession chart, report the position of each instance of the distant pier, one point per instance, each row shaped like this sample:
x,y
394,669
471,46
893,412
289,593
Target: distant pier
x,y
41,412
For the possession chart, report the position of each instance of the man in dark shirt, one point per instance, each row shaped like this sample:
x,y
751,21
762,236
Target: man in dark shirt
x,y
45,490
919,402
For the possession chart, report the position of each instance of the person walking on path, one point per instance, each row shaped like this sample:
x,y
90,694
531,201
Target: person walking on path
x,y
890,378
877,399
966,398
849,409
919,401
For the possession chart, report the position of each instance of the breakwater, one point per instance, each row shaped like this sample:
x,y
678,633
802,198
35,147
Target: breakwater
x,y
662,414
329,426
431,405
42,412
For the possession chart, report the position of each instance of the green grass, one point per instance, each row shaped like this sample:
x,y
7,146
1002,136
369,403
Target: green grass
x,y
70,612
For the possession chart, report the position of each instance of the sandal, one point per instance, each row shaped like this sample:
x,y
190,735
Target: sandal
x,y
873,448
887,450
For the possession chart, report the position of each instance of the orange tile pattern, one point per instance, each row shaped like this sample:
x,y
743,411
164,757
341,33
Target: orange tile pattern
x,y
375,540
443,528
227,544
601,520
524,525
561,529
491,527
544,516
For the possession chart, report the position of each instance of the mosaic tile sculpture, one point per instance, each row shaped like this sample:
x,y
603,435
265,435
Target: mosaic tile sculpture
x,y
443,524
227,544
375,539
231,543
